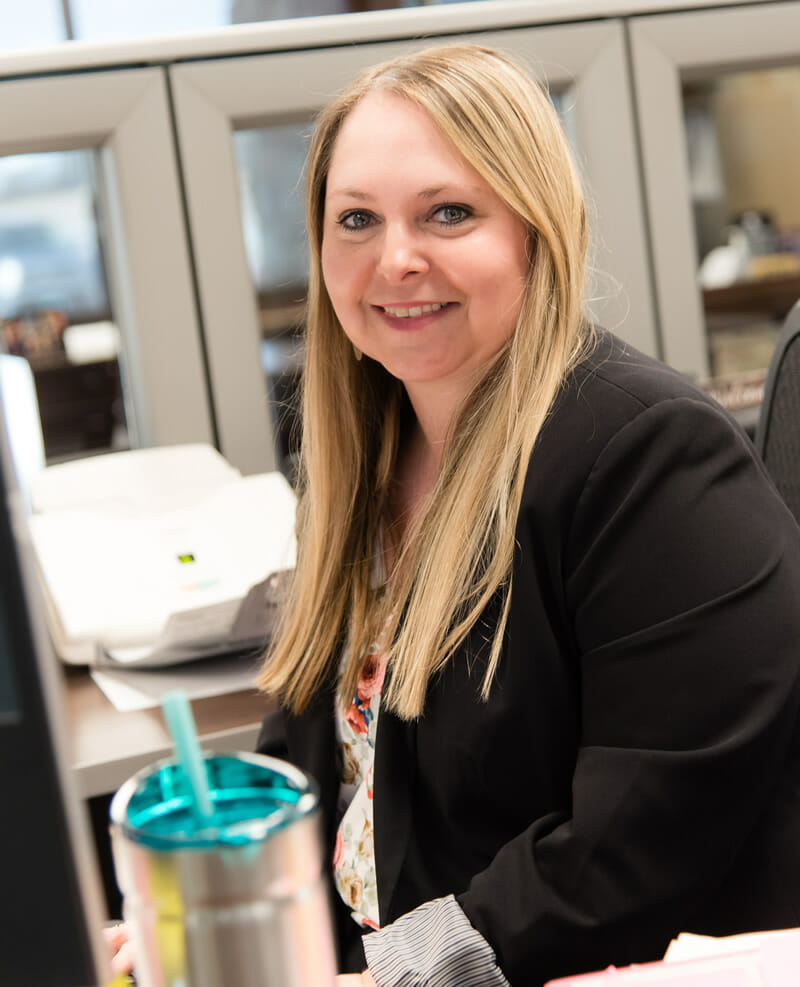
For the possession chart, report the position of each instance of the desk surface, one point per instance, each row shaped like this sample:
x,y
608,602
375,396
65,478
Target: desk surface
x,y
109,746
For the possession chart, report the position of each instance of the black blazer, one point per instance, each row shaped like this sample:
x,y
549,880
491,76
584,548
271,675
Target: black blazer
x,y
636,770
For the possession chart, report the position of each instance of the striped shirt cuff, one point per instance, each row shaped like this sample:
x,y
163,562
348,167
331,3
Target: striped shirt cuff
x,y
435,946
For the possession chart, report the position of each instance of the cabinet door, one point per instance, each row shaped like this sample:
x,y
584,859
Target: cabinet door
x,y
242,125
718,100
92,232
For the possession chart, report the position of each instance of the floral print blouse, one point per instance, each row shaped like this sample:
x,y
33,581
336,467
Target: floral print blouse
x,y
354,854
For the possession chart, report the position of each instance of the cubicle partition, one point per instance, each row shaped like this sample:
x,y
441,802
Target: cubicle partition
x,y
122,117
199,155
718,111
197,144
197,148
689,56
260,96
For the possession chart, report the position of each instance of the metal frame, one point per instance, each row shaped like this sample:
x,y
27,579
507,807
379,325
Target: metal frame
x,y
213,97
302,33
665,48
125,116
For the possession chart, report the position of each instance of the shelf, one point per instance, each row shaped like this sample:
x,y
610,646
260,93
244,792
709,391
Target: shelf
x,y
771,297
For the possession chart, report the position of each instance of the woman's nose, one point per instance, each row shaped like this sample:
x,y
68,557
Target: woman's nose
x,y
401,254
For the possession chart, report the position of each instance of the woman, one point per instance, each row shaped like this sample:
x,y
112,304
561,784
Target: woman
x,y
541,646
542,580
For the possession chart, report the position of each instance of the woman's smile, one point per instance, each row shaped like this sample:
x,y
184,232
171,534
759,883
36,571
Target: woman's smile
x,y
414,315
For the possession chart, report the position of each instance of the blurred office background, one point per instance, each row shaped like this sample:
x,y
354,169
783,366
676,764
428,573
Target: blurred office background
x,y
152,245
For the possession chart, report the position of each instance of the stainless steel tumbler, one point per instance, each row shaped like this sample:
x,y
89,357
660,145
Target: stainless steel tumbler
x,y
241,901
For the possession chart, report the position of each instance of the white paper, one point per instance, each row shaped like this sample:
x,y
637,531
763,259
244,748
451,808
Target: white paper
x,y
185,636
689,946
142,689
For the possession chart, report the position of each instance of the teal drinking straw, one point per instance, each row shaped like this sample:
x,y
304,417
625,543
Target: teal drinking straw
x,y
180,723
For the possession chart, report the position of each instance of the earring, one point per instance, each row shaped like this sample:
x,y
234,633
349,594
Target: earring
x,y
357,352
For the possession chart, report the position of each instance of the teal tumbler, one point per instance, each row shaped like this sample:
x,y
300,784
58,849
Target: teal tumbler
x,y
239,899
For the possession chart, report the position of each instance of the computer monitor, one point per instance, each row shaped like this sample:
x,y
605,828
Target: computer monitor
x,y
51,911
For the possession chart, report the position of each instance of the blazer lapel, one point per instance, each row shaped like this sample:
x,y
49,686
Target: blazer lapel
x,y
394,779
311,739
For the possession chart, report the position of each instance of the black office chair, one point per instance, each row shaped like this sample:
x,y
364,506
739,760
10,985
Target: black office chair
x,y
778,432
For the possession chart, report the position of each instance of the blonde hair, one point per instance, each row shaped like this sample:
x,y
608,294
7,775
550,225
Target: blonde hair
x,y
461,553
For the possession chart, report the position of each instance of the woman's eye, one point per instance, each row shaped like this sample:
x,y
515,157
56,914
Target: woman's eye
x,y
355,220
450,215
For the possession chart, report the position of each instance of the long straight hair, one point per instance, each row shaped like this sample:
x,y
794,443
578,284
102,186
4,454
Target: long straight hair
x,y
459,556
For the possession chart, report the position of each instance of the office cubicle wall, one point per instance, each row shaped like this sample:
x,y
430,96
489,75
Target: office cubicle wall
x,y
168,138
667,52
122,116
584,65
178,302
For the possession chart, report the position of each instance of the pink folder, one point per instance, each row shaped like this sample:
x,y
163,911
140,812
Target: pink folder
x,y
770,959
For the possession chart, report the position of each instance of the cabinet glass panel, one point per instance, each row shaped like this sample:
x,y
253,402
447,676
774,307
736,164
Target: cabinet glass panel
x,y
270,163
54,303
743,140
244,195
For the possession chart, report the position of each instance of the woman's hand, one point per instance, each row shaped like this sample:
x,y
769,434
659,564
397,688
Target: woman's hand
x,y
119,942
118,939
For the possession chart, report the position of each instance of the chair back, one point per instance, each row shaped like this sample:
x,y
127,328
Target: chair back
x,y
778,432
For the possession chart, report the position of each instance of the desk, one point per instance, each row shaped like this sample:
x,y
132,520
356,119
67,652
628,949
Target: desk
x,y
109,746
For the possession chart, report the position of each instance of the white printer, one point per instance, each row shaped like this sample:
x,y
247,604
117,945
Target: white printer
x,y
147,556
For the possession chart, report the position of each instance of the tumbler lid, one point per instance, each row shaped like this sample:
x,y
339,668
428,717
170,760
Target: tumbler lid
x,y
252,796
